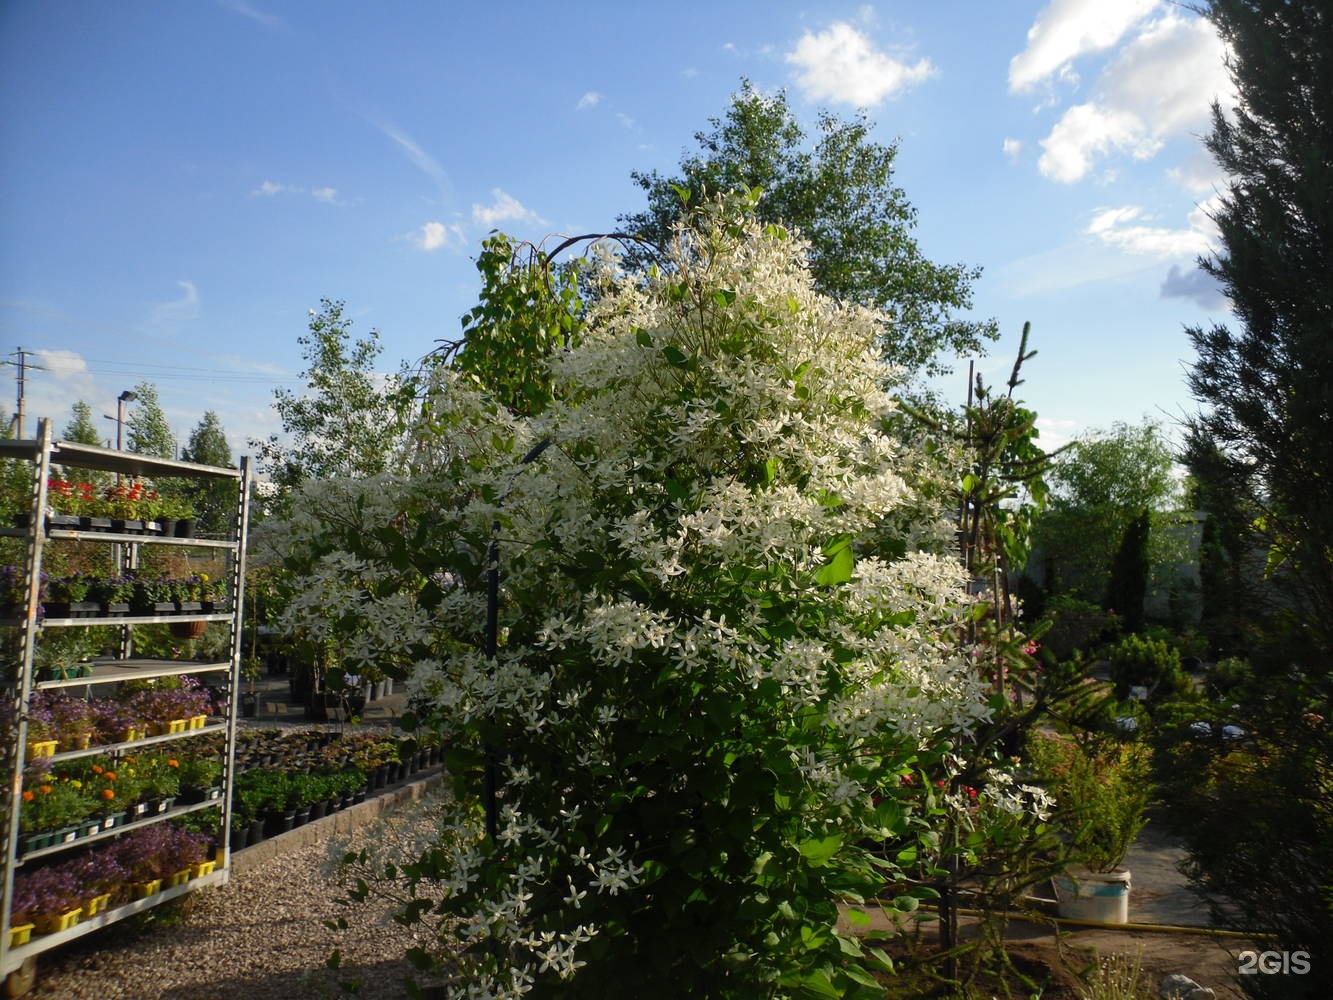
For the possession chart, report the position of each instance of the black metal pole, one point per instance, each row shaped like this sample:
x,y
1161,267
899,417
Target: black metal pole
x,y
492,642
489,778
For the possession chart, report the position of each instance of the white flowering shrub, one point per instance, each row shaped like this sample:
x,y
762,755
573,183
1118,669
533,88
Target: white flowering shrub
x,y
706,691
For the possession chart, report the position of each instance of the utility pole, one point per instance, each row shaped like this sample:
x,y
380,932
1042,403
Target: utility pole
x,y
22,365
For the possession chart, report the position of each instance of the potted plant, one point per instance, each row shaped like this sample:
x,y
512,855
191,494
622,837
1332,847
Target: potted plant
x,y
251,666
49,898
71,718
199,777
68,596
99,875
161,779
53,804
14,592
70,504
267,794
114,722
160,853
113,594
175,515
63,653
154,595
1101,789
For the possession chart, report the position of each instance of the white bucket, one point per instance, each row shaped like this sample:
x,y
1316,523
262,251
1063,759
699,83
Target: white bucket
x,y
1098,897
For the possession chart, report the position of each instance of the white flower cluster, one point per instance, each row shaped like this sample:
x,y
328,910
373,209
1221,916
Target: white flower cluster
x,y
715,430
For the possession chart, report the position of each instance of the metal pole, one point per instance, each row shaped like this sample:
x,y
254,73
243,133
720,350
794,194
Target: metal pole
x,y
490,780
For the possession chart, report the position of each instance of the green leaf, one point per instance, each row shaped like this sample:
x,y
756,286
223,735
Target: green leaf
x,y
724,297
839,568
849,946
643,338
859,975
885,962
675,356
818,850
858,917
818,984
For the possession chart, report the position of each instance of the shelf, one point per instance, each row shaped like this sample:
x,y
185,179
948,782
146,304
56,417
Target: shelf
x,y
15,957
72,535
116,831
86,456
216,616
217,725
107,671
65,459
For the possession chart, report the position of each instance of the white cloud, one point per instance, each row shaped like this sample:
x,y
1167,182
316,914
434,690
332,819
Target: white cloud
x,y
1067,29
1070,265
589,100
245,10
1198,173
1055,433
1161,84
1012,147
433,235
624,119
505,208
181,310
1087,131
1109,218
422,160
841,65
1127,229
63,380
268,189
327,194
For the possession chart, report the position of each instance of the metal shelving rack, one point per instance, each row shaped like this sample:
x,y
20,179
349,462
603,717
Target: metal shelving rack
x,y
17,683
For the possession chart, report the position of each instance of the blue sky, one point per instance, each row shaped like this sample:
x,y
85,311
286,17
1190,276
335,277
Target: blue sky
x,y
183,180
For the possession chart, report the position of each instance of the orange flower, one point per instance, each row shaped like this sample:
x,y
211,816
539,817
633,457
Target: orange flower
x,y
27,796
108,794
44,789
171,762
97,769
110,775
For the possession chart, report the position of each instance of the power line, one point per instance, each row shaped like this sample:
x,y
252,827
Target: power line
x,y
157,372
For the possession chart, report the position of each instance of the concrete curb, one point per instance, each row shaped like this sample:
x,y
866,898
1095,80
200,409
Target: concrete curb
x,y
343,821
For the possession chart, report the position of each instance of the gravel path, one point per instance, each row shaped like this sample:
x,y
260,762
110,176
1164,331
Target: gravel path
x,y
260,937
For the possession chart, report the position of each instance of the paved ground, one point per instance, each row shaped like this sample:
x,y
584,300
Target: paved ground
x,y
277,706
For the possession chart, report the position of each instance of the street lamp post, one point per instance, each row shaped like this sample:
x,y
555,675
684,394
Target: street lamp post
x,y
125,397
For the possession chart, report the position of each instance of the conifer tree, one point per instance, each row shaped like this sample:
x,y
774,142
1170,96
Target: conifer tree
x,y
1266,384
213,500
147,430
81,427
1258,824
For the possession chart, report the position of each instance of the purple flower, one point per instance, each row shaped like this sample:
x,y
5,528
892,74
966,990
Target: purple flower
x,y
44,892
